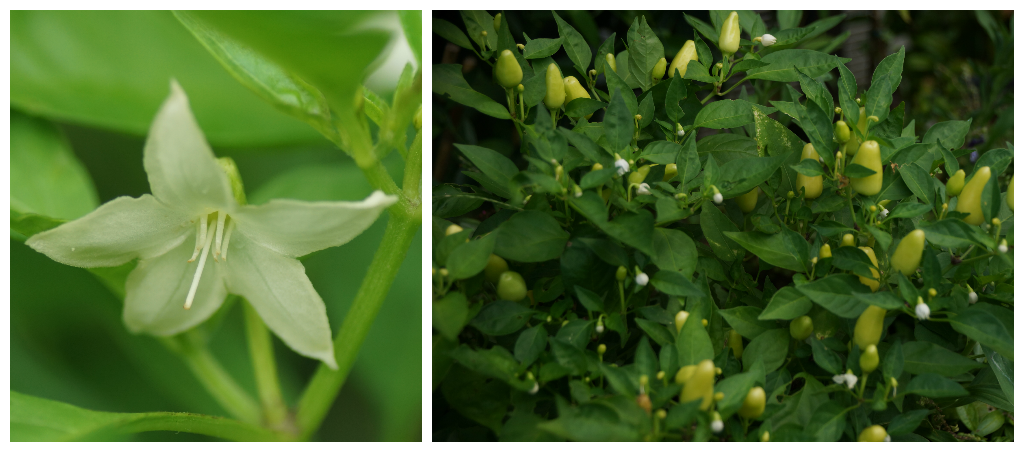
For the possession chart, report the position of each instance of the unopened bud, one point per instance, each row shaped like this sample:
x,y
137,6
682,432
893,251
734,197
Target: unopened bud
x,y
601,349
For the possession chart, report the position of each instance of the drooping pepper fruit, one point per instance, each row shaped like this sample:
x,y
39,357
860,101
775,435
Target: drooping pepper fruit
x,y
872,283
869,327
869,359
511,286
736,344
609,59
748,201
842,131
810,184
700,385
495,267
729,39
555,95
969,200
640,174
872,434
659,70
862,124
801,328
573,89
907,256
955,184
869,156
686,54
507,72
753,403
671,170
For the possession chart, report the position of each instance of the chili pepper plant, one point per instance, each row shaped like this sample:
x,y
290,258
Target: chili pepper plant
x,y
728,239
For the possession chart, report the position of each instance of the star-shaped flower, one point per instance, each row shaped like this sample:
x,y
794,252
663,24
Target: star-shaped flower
x,y
184,233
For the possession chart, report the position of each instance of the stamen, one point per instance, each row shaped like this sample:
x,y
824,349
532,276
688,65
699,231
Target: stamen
x,y
199,272
227,239
200,238
221,216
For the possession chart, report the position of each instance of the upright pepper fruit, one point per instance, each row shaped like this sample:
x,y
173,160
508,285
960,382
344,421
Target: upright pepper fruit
x,y
729,39
495,267
872,283
507,72
869,327
848,240
955,184
680,319
842,131
609,59
671,170
659,70
748,201
873,434
969,200
555,95
869,359
511,286
686,54
801,328
573,90
753,404
810,184
825,252
907,256
862,125
869,156
684,374
700,385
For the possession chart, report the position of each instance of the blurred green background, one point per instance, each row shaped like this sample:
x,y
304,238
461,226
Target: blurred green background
x,y
100,78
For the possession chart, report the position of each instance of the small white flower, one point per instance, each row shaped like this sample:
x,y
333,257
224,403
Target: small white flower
x,y
717,425
680,132
536,387
643,189
888,438
621,166
885,213
1002,247
923,311
600,329
717,198
849,379
642,279
973,297
768,40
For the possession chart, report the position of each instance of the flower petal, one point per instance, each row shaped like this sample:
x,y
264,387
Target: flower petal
x,y
181,167
116,232
296,228
277,287
157,287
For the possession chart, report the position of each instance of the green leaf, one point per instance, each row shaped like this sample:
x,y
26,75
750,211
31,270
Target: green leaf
x,y
786,304
101,53
541,48
909,209
884,300
925,357
270,81
655,331
715,224
770,348
934,386
906,422
741,175
47,180
494,362
991,200
780,250
588,148
568,355
726,114
857,170
616,84
477,21
828,423
662,152
693,342
579,428
735,389
744,320
597,178
854,260
674,250
582,106
501,317
786,65
618,123
827,359
633,229
451,32
879,98
590,300
470,258
891,67
954,233
996,159
808,167
530,345
497,167
449,314
645,49
836,293
448,81
575,46
892,362
847,97
817,93
576,332
530,236
1003,369
36,419
989,324
726,147
675,283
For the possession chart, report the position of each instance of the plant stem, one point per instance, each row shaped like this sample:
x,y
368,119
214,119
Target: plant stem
x,y
215,379
219,427
323,388
261,349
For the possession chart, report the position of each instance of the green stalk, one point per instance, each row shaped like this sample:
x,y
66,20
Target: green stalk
x,y
216,380
229,429
323,388
261,348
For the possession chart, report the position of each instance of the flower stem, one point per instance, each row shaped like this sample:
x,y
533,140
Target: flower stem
x,y
323,388
215,379
261,349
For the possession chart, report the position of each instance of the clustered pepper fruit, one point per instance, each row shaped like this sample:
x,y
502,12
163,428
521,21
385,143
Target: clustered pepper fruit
x,y
969,201
907,256
573,91
687,53
554,97
507,72
511,286
729,39
810,184
700,385
869,156
868,330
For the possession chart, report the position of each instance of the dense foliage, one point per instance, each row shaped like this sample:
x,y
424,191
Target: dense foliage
x,y
730,242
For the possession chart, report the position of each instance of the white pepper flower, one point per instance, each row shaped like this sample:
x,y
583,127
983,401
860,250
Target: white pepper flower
x,y
883,214
849,379
717,425
922,310
643,189
717,198
768,40
680,132
621,166
642,279
1002,246
972,297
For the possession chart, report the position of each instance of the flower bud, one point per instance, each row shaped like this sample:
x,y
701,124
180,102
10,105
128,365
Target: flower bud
x,y
872,434
443,272
729,39
868,330
577,191
768,40
868,156
536,387
969,200
644,402
554,97
811,184
686,54
521,47
620,274
593,73
659,70
642,279
801,328
704,322
869,359
609,61
907,256
662,414
597,167
507,71
955,183
717,197
1003,248
872,283
753,403
670,172
748,201
922,310
716,422
660,375
601,349
825,251
972,297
